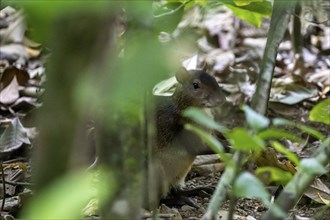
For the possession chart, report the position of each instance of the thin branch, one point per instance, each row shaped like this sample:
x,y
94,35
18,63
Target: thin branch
x,y
17,183
3,186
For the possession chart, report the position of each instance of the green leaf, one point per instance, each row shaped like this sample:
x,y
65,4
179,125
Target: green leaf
x,y
242,140
246,15
251,11
65,198
248,186
272,133
312,166
211,141
275,174
321,112
245,2
291,156
203,119
43,13
309,130
254,119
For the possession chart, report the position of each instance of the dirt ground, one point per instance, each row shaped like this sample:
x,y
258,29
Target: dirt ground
x,y
245,208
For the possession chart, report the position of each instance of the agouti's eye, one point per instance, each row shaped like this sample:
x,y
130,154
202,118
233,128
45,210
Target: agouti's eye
x,y
196,85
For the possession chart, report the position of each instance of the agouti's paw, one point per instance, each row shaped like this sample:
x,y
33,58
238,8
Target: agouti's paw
x,y
179,201
201,191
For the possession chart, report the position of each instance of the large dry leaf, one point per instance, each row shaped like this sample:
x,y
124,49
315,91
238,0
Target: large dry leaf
x,y
21,75
16,28
14,49
322,77
220,59
25,104
317,189
13,137
291,94
10,93
269,158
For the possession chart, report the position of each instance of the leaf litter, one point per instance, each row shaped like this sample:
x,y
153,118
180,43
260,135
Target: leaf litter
x,y
232,50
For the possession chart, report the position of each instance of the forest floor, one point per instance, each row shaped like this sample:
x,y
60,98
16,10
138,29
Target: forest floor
x,y
246,209
231,48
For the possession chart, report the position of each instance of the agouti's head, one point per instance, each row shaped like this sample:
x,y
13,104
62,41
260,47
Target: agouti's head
x,y
197,88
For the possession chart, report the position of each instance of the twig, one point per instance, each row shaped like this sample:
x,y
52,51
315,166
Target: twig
x,y
3,186
19,159
17,183
233,198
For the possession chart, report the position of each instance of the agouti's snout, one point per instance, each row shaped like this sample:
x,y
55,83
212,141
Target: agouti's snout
x,y
214,99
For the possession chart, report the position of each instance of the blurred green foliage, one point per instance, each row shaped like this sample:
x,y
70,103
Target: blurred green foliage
x,y
252,11
321,112
66,198
251,142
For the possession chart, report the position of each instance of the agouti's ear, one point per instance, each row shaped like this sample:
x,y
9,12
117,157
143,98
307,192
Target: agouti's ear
x,y
182,75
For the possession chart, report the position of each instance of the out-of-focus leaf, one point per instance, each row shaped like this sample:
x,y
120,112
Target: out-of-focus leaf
x,y
309,130
241,139
193,3
291,156
245,2
168,16
321,112
318,191
251,17
66,198
254,119
13,137
203,119
273,174
211,141
44,13
251,11
254,188
276,133
312,166
92,208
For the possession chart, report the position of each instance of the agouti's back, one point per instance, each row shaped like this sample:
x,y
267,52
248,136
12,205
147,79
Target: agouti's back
x,y
177,147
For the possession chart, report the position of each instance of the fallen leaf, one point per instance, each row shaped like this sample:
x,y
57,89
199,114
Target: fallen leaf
x,y
16,29
269,158
291,94
13,137
316,190
10,93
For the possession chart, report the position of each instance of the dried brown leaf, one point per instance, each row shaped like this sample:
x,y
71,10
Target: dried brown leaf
x,y
10,93
317,189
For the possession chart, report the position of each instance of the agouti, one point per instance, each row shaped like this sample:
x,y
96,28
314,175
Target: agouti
x,y
176,148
